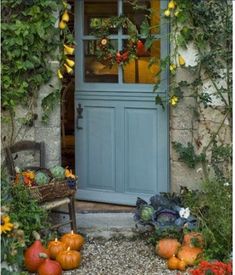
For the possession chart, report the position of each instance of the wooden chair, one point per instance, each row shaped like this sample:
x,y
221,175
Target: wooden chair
x,y
40,147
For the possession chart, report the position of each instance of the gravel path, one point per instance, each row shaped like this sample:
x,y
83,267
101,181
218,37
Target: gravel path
x,y
120,257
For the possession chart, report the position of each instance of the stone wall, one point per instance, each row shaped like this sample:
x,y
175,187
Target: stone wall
x,y
186,127
49,133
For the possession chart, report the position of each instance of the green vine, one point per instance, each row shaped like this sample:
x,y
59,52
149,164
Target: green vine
x,y
30,40
205,26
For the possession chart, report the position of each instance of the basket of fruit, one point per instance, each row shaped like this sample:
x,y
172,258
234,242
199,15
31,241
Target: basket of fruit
x,y
48,184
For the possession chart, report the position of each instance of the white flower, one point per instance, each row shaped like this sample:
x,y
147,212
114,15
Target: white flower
x,y
17,169
184,212
199,170
226,184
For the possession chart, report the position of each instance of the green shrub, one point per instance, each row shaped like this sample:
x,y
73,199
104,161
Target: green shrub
x,y
26,216
213,208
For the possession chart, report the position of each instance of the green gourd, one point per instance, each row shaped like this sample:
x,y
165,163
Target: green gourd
x,y
41,178
58,172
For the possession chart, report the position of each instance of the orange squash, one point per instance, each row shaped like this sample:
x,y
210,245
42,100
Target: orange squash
x,y
166,248
172,263
189,254
69,259
49,267
182,265
73,240
31,256
54,247
193,239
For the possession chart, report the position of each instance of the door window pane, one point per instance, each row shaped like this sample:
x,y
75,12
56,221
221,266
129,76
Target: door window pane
x,y
138,70
137,16
96,70
99,12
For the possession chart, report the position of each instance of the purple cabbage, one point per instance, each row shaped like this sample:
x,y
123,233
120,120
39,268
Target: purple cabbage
x,y
164,211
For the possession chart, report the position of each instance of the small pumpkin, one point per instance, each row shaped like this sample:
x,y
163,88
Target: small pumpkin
x,y
182,265
166,248
49,267
54,247
193,239
31,256
175,263
69,259
189,254
73,240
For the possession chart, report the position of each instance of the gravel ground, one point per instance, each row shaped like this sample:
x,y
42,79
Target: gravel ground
x,y
120,257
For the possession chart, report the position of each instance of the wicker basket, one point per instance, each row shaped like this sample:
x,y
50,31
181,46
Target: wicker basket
x,y
52,191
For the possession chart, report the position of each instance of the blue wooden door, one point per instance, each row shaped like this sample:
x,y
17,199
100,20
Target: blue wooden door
x,y
121,135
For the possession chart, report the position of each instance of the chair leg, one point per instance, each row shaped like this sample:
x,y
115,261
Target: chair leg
x,y
72,214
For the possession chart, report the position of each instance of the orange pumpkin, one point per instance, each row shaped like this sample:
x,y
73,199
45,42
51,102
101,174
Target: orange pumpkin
x,y
72,240
69,259
166,248
54,247
189,254
182,265
175,263
193,239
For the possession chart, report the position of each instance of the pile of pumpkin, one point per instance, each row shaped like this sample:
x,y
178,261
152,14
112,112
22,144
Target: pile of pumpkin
x,y
180,256
63,254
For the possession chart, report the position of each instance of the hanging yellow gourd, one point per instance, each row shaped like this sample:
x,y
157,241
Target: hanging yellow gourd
x,y
59,74
65,16
181,60
172,67
62,25
70,62
171,5
68,69
68,50
174,100
167,13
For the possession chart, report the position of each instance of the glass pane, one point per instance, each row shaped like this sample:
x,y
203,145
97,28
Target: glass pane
x,y
96,70
137,16
98,12
138,71
155,16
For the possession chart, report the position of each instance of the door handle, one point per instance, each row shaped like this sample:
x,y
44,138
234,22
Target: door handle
x,y
79,115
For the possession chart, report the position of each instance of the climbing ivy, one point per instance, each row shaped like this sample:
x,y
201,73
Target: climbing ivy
x,y
205,27
30,40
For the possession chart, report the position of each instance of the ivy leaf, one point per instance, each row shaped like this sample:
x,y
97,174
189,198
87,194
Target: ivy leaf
x,y
28,64
145,28
149,41
159,101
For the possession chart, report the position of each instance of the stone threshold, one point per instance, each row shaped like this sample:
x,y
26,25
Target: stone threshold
x,y
85,207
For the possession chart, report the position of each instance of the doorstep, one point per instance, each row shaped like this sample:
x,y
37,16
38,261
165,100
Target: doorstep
x,y
98,207
98,220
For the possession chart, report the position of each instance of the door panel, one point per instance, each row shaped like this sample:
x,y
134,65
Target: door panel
x,y
100,147
140,150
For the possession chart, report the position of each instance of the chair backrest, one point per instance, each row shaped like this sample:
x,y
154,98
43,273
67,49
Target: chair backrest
x,y
24,145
